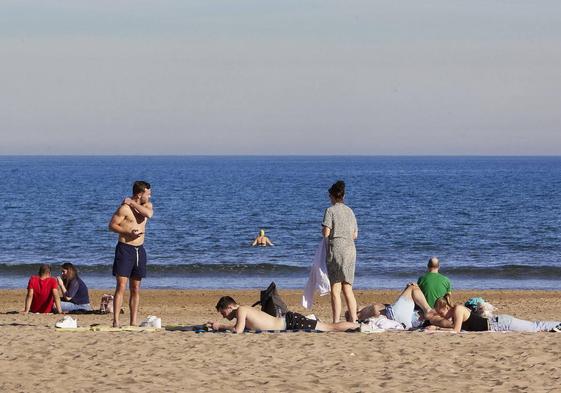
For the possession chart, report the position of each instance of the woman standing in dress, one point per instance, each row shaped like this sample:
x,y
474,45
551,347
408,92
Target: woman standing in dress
x,y
341,230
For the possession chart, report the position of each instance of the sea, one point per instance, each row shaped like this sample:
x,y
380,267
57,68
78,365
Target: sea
x,y
494,222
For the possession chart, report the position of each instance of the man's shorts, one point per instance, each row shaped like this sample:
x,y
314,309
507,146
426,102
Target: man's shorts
x,y
130,261
295,321
402,311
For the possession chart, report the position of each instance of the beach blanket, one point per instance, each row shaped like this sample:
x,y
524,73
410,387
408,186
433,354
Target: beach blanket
x,y
204,329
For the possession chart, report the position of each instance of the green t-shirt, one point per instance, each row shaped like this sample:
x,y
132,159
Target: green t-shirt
x,y
434,285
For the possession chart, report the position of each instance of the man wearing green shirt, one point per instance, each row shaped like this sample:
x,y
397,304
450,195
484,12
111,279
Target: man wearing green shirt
x,y
433,284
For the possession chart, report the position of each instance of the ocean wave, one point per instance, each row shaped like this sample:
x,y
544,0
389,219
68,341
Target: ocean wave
x,y
170,269
509,271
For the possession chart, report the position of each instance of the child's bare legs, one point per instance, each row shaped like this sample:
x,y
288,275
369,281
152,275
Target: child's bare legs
x,y
336,301
350,300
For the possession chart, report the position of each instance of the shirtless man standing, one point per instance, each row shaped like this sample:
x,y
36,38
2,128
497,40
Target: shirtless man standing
x,y
129,222
254,319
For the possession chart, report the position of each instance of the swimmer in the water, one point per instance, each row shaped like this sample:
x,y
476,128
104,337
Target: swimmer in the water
x,y
262,240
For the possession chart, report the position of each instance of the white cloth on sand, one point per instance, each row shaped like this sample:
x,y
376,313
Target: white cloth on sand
x,y
318,279
384,323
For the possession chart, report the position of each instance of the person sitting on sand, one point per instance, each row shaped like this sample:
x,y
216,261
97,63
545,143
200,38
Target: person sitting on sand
x,y
403,310
262,240
462,318
74,291
42,292
254,319
433,284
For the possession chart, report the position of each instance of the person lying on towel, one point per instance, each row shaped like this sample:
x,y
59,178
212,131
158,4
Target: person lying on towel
x,y
251,318
403,310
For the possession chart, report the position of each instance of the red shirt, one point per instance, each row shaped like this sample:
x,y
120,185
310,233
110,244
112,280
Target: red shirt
x,y
43,298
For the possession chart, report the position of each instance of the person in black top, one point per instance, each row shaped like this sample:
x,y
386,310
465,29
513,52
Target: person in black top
x,y
464,319
74,291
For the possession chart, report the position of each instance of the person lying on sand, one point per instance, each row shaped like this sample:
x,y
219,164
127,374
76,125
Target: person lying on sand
x,y
403,310
462,318
254,319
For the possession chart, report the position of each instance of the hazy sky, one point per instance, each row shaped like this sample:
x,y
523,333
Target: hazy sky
x,y
280,77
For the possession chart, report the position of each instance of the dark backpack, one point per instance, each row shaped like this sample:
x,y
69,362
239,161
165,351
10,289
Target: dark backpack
x,y
271,302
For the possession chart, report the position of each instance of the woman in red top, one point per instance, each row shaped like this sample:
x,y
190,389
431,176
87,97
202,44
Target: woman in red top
x,y
42,292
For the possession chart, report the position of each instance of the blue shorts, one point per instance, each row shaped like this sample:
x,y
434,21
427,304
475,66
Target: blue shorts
x,y
130,261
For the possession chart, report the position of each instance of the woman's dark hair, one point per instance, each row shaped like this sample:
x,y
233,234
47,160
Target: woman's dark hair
x,y
337,190
72,272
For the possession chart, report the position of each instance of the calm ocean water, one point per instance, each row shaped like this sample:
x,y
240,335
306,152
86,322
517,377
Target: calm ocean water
x,y
495,222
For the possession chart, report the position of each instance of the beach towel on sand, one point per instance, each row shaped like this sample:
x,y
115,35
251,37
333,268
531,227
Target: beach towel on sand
x,y
318,279
383,323
205,329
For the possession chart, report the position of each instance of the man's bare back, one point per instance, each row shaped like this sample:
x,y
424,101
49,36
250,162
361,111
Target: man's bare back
x,y
256,319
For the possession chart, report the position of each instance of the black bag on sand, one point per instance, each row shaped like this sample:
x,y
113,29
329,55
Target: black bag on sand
x,y
271,302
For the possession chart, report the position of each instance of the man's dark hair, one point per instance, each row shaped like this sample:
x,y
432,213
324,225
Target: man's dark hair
x,y
139,187
224,302
44,269
337,190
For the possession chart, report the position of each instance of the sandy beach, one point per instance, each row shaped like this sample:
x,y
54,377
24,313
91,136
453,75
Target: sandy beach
x,y
34,355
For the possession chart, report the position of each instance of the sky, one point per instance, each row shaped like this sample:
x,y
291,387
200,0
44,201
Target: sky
x,y
280,77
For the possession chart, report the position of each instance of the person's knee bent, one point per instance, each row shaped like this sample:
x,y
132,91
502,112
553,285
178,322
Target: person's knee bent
x,y
408,293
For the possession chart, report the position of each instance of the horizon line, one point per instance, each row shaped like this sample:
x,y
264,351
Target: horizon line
x,y
291,155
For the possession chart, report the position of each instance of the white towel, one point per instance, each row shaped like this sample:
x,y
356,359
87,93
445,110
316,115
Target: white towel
x,y
318,280
384,323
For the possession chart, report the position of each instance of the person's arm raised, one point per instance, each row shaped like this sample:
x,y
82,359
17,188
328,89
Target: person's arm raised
x,y
116,221
146,210
115,225
62,288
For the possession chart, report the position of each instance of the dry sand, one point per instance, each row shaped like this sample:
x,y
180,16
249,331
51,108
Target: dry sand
x,y
35,357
